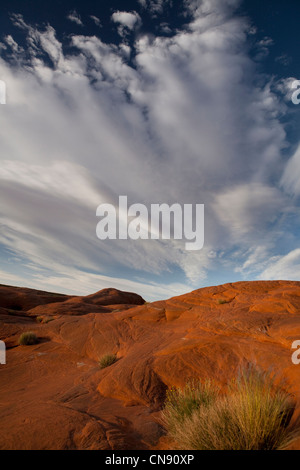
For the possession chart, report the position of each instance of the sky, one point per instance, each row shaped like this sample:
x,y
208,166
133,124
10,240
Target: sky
x,y
163,101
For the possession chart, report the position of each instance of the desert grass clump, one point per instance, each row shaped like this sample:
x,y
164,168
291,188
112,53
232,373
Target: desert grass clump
x,y
107,360
254,414
28,339
181,403
222,301
44,319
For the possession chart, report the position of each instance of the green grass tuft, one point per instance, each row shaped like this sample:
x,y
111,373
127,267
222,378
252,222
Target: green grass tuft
x,y
44,320
255,414
28,339
107,360
182,403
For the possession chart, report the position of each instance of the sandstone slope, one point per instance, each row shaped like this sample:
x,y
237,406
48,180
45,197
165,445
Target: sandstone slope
x,y
54,395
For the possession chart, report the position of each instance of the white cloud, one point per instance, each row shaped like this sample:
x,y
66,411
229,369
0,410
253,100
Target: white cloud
x,y
247,210
257,258
218,8
283,267
61,178
284,86
128,19
12,43
155,7
265,42
165,28
263,48
143,3
75,282
18,21
190,123
96,20
75,18
291,176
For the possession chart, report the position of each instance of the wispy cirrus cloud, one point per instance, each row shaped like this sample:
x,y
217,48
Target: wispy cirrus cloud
x,y
128,19
96,20
188,120
75,18
155,7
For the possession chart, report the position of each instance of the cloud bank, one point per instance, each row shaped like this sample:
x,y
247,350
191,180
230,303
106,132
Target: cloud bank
x,y
188,119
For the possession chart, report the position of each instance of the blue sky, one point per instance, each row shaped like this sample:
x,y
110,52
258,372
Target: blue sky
x,y
162,101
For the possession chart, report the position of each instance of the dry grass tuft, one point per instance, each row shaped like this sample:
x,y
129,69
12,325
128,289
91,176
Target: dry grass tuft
x,y
255,414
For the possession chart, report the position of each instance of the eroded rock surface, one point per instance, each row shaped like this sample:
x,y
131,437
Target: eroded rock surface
x,y
54,395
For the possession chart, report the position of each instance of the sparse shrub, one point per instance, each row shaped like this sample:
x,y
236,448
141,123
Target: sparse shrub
x,y
255,414
107,360
44,319
182,403
28,338
222,301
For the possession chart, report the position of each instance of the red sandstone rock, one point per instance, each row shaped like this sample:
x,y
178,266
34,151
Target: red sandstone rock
x,y
53,395
114,297
106,300
20,298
